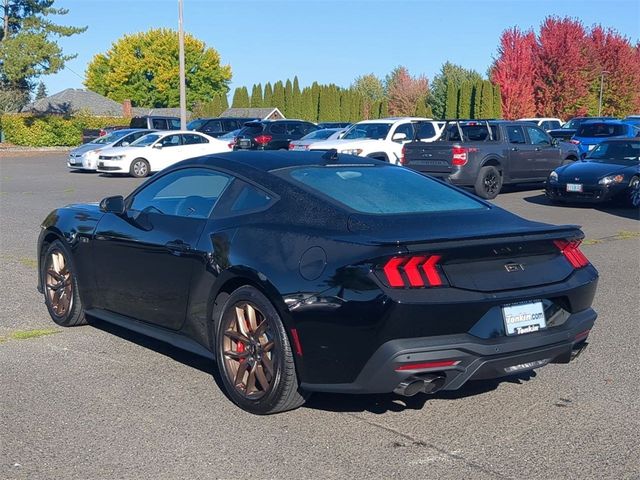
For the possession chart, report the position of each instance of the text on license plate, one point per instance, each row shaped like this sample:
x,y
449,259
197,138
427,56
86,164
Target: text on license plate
x,y
574,187
523,318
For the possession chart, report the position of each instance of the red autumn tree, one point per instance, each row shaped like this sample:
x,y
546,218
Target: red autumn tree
x,y
513,71
562,76
405,92
613,54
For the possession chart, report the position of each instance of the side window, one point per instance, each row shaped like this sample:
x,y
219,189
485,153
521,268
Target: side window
x,y
278,128
250,198
425,130
537,136
212,126
127,138
174,124
516,135
137,135
307,128
159,123
407,129
229,125
170,141
191,192
192,139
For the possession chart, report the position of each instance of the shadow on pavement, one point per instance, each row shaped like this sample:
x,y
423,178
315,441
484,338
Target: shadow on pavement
x,y
610,208
390,402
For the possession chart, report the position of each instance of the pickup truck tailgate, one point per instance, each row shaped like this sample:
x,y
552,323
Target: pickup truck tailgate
x,y
432,158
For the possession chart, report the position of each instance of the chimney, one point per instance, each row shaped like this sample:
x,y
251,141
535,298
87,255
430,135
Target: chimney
x,y
127,111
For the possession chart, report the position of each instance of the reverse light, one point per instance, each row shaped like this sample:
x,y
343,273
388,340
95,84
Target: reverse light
x,y
263,139
571,250
611,179
460,156
413,272
427,365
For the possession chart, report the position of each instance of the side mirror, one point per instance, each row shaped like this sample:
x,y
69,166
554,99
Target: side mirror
x,y
113,205
555,142
157,145
398,137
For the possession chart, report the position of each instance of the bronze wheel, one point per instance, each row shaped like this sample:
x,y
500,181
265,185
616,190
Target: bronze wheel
x,y
58,283
248,350
256,364
60,287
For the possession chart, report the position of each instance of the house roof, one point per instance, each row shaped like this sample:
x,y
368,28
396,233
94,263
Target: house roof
x,y
74,100
262,113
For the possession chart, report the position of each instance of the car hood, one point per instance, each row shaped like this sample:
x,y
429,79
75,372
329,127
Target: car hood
x,y
344,144
87,147
586,172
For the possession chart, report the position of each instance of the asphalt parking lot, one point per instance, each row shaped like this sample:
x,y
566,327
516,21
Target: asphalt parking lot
x,y
97,402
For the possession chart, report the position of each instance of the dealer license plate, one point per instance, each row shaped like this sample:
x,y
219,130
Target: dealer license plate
x,y
574,187
523,318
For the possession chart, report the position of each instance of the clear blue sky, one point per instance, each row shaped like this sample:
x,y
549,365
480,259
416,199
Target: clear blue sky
x,y
329,41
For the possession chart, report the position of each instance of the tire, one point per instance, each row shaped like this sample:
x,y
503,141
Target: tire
x,y
489,183
255,361
139,168
61,287
634,192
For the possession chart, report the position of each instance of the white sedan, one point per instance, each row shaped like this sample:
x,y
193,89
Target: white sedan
x,y
159,150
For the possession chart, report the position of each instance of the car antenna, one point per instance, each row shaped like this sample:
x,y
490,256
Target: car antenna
x,y
331,155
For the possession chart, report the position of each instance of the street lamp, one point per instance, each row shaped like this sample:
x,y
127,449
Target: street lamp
x,y
602,74
183,90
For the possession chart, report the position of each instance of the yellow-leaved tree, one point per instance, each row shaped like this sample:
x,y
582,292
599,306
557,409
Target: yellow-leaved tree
x,y
143,67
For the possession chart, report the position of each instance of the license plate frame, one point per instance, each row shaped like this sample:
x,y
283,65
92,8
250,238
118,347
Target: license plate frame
x,y
524,317
574,187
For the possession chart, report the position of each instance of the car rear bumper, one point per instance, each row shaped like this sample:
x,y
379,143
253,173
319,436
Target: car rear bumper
x,y
80,163
475,358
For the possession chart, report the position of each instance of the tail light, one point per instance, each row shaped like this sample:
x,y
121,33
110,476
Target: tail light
x,y
102,133
263,139
403,158
460,156
291,146
413,272
574,141
571,250
233,142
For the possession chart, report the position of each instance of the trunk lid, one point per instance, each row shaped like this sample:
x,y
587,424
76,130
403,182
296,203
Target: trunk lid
x,y
433,158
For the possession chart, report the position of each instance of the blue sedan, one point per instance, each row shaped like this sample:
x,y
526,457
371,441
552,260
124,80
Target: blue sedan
x,y
592,132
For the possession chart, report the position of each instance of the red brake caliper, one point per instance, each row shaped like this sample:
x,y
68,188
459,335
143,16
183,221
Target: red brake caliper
x,y
240,347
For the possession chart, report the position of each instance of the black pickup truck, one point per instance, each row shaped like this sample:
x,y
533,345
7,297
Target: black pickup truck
x,y
488,154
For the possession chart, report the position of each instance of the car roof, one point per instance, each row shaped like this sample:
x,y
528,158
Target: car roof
x,y
622,140
395,119
613,121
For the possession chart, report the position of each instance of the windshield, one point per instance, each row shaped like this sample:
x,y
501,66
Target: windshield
x,y
573,124
195,124
319,134
146,140
374,131
111,137
616,152
600,130
386,190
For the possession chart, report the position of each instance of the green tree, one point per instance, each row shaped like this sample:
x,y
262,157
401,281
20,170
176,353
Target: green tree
x,y
384,109
464,99
211,108
497,101
256,96
144,67
268,95
449,73
486,100
315,97
451,107
476,100
277,100
288,99
41,91
240,98
29,47
370,88
296,99
306,105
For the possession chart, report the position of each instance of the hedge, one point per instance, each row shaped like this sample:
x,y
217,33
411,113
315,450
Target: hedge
x,y
51,130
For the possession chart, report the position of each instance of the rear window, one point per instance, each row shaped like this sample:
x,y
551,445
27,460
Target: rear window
x,y
251,129
319,135
471,133
138,122
385,190
600,130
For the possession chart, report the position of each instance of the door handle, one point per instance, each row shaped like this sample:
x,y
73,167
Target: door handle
x,y
178,246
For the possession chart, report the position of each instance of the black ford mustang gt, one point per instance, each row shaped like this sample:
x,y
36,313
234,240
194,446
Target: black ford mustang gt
x,y
303,272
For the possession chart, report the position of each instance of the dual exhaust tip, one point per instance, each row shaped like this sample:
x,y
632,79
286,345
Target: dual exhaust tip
x,y
428,383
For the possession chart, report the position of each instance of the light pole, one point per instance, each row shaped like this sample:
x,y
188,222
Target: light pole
x,y
183,90
602,74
